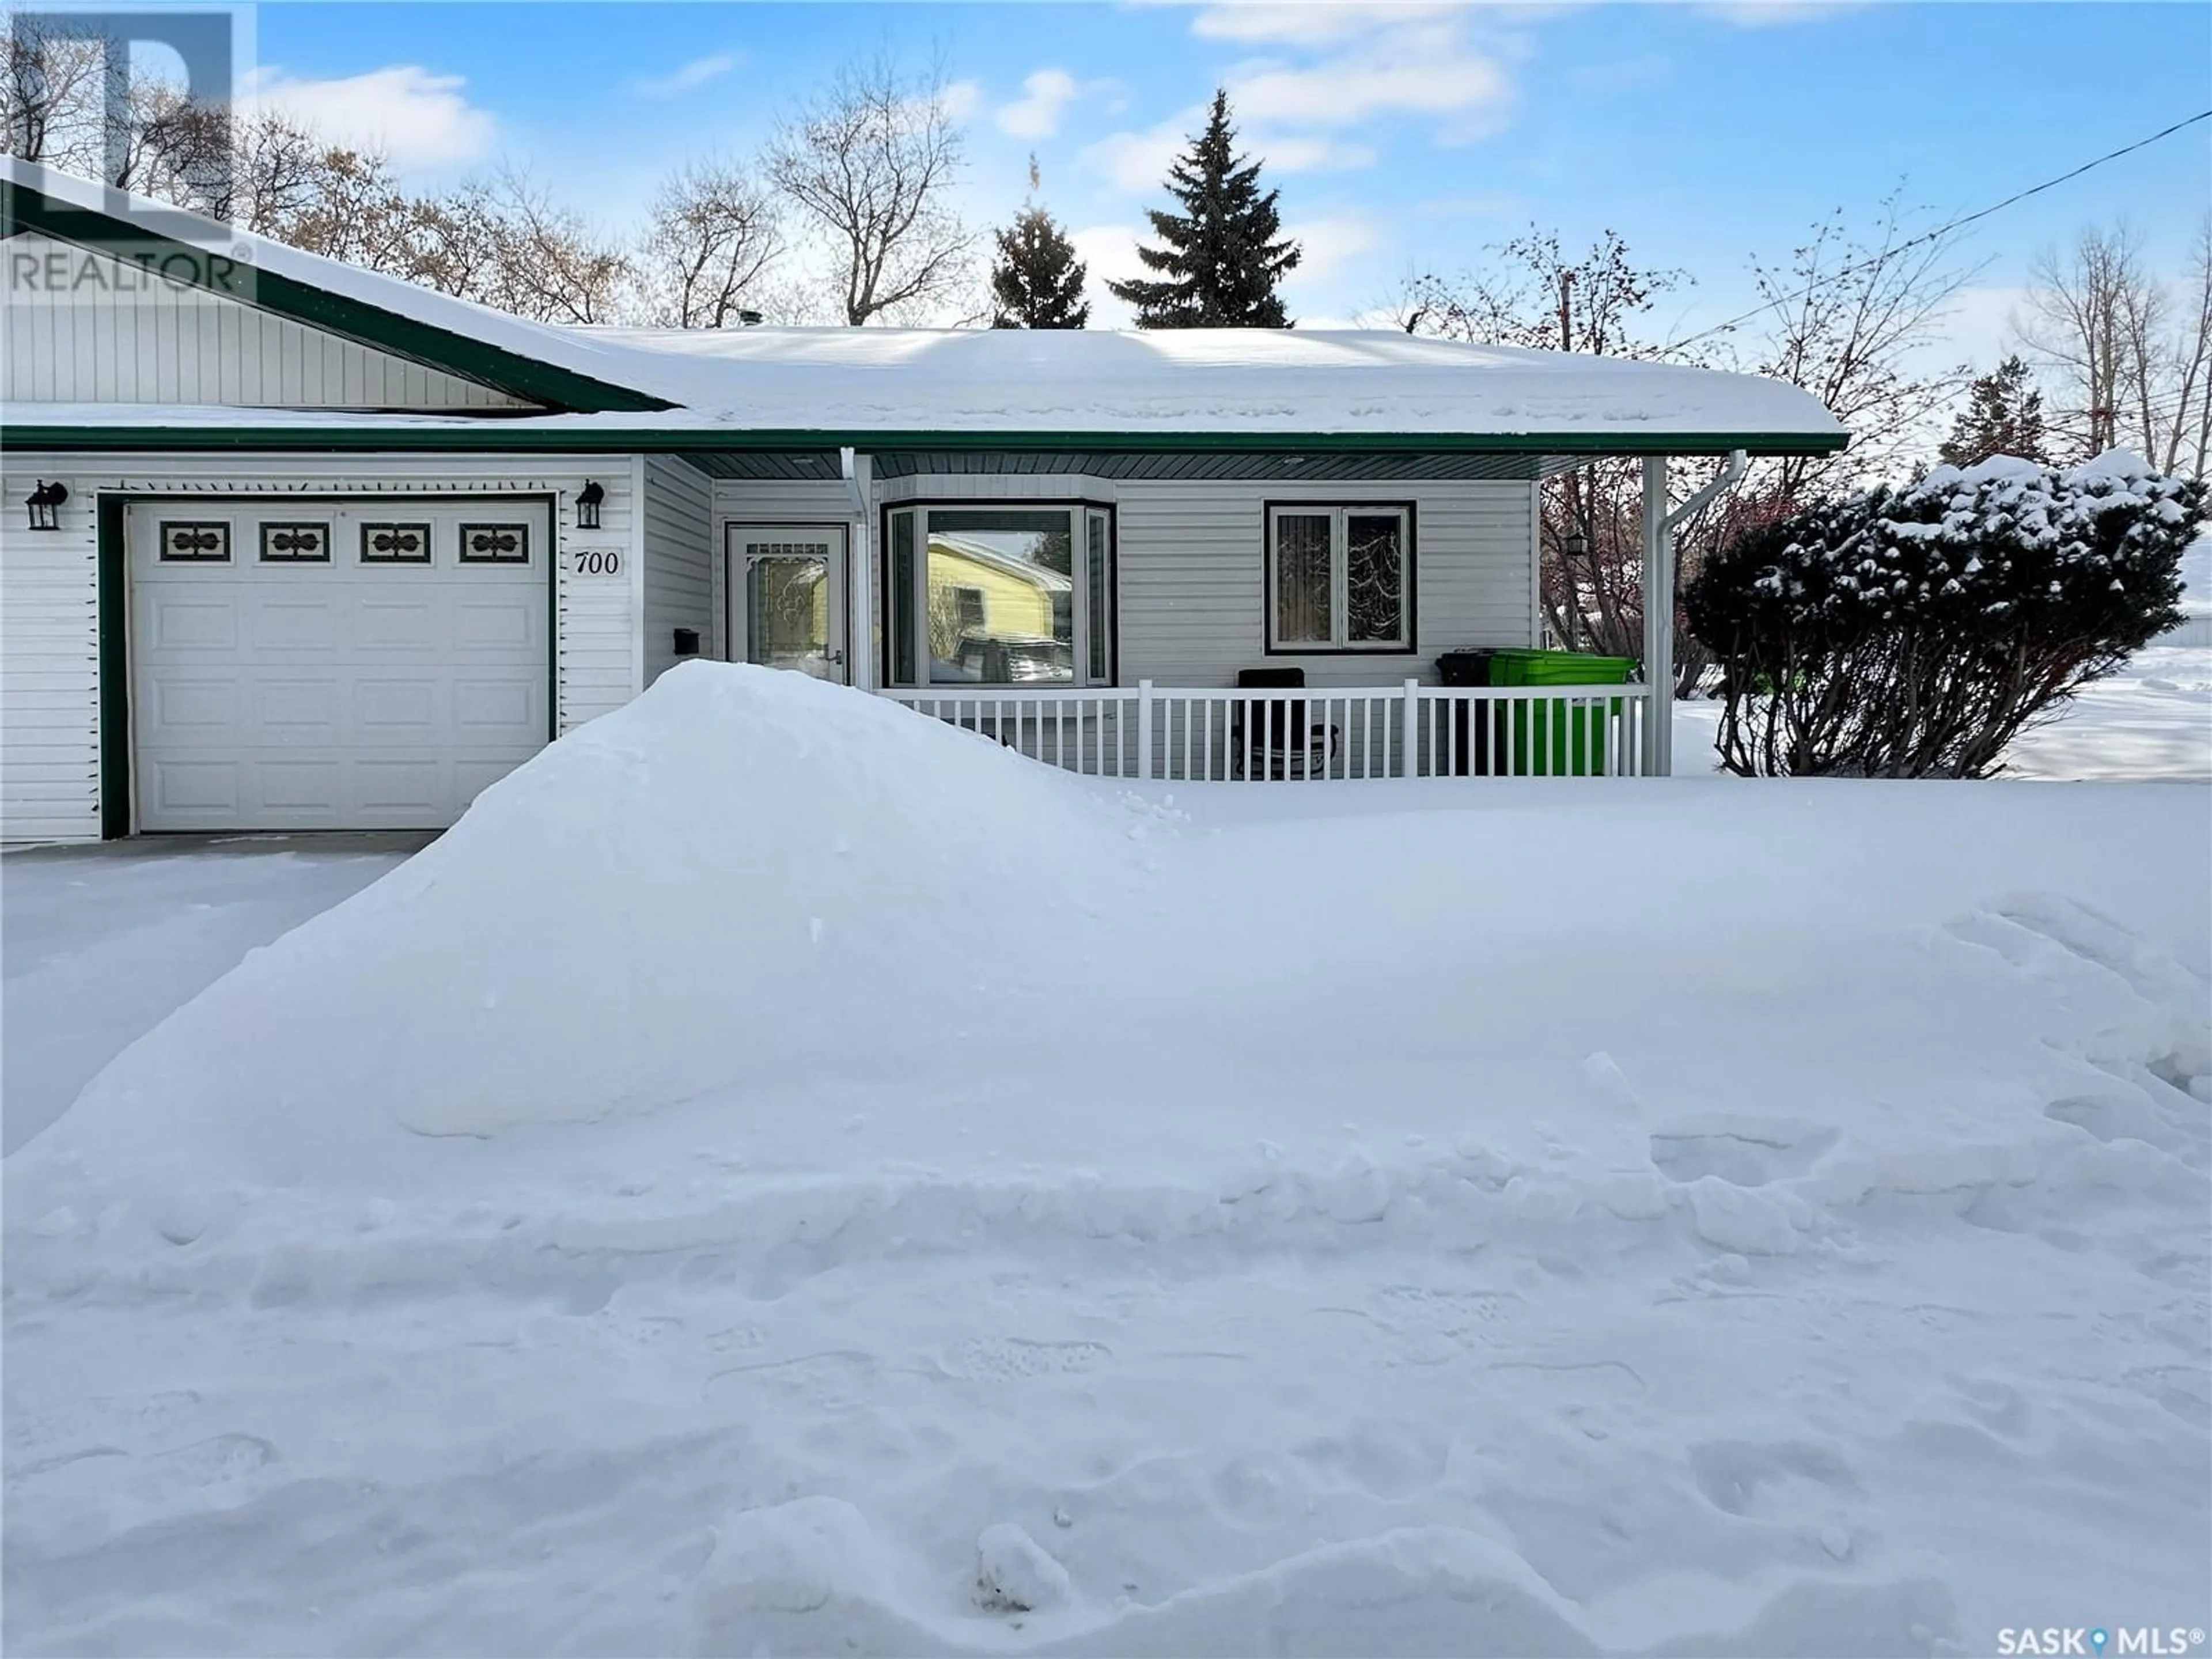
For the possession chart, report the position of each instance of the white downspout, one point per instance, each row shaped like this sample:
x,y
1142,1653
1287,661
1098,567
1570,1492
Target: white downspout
x,y
859,572
1659,525
845,467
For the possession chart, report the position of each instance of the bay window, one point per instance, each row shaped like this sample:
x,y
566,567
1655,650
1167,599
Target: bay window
x,y
1340,578
1013,594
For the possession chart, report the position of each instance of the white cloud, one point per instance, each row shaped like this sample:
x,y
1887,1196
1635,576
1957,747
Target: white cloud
x,y
1139,160
1767,14
1338,69
1110,254
1420,68
1286,154
696,73
961,99
415,119
1036,113
1268,22
1109,250
1327,245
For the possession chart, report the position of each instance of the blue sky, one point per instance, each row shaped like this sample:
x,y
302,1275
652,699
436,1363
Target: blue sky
x,y
1398,134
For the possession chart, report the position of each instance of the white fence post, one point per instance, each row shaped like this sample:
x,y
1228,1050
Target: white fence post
x,y
1144,728
1406,766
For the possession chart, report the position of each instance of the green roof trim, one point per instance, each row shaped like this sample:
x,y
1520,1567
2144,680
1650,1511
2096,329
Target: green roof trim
x,y
22,208
513,436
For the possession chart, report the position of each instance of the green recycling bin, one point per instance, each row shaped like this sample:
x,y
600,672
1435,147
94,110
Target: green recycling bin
x,y
1558,739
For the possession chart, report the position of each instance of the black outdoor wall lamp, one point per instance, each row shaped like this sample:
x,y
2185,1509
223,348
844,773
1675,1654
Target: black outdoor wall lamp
x,y
42,501
587,506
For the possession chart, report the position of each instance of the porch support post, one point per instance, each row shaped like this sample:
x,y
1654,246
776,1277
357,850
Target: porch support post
x,y
861,668
1658,622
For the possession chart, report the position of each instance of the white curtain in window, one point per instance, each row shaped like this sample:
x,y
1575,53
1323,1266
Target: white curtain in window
x,y
1302,579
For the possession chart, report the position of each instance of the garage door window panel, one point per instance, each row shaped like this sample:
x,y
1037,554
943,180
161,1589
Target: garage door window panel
x,y
195,542
494,544
296,543
395,544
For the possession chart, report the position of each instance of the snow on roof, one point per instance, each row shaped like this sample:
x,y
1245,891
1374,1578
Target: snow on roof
x,y
1199,380
1238,382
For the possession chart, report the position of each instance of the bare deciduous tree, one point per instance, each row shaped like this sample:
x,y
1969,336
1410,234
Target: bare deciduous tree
x,y
52,93
872,164
712,237
532,256
1848,313
277,171
2130,353
1531,294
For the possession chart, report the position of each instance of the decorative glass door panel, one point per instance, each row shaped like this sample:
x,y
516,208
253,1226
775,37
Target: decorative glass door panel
x,y
788,599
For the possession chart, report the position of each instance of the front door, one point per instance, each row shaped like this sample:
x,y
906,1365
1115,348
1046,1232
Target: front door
x,y
786,588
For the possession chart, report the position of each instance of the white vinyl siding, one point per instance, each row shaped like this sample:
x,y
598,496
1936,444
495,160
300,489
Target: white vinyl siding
x,y
1194,570
1191,570
49,586
108,333
49,665
677,518
788,502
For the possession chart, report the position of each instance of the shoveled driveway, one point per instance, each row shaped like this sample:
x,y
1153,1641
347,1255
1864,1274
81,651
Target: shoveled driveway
x,y
99,945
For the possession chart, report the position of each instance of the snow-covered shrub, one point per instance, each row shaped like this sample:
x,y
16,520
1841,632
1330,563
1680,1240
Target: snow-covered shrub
x,y
1914,632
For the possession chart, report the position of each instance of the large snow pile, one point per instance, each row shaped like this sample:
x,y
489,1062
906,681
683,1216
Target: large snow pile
x,y
710,890
786,1176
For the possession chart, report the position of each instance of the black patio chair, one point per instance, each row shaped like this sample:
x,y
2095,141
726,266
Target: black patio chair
x,y
1285,741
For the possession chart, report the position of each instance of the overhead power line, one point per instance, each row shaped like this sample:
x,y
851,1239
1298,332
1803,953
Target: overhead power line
x,y
1964,220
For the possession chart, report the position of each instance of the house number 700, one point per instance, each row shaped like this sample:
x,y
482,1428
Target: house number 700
x,y
592,561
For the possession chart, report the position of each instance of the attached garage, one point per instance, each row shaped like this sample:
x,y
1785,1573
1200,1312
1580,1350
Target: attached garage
x,y
327,664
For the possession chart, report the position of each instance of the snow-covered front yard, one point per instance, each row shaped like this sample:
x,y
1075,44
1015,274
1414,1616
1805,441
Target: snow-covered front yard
x,y
783,1176
99,945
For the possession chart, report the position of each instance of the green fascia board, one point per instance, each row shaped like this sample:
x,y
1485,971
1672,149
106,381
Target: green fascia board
x,y
25,208
504,436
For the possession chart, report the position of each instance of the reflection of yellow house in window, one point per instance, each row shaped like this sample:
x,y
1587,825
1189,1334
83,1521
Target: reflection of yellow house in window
x,y
978,591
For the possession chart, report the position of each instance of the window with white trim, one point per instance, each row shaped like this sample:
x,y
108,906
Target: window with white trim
x,y
988,593
1340,578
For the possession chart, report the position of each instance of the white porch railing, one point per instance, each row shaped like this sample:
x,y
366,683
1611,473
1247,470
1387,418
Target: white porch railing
x,y
1282,733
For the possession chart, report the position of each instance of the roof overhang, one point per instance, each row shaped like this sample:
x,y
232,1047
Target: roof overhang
x,y
526,436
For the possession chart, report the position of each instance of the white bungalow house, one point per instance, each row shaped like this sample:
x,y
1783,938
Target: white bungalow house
x,y
293,545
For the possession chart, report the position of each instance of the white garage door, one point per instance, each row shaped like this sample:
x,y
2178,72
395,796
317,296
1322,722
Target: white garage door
x,y
320,665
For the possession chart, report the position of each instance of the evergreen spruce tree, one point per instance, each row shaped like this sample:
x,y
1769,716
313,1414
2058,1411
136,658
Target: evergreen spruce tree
x,y
2005,417
1222,259
1036,281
